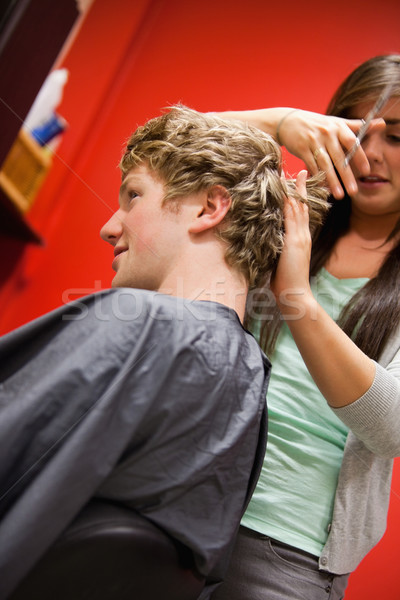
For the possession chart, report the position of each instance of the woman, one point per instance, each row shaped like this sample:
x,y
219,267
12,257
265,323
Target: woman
x,y
334,397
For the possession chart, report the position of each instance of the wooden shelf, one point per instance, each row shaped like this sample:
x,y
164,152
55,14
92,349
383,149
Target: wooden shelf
x,y
21,176
23,170
14,224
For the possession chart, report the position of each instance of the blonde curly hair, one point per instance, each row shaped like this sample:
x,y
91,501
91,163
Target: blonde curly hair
x,y
191,152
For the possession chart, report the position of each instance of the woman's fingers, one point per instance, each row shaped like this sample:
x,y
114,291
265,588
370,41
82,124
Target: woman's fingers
x,y
359,160
296,218
330,156
348,156
331,160
323,142
301,181
293,265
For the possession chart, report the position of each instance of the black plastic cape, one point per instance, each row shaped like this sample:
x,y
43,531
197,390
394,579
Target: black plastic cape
x,y
152,401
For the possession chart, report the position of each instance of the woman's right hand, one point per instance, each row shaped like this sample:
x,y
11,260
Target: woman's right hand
x,y
321,141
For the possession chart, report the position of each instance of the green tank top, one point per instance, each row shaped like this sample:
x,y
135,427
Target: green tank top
x,y
294,497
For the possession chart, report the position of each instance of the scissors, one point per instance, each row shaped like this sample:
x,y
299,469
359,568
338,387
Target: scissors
x,y
379,104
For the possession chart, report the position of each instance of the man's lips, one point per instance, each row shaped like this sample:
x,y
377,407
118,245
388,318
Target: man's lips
x,y
119,250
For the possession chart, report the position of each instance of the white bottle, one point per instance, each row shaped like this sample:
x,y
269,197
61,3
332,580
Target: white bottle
x,y
47,100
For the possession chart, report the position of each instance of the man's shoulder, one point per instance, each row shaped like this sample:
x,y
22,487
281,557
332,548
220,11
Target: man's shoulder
x,y
120,321
207,328
128,305
135,315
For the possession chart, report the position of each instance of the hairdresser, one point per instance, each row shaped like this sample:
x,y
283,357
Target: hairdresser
x,y
334,396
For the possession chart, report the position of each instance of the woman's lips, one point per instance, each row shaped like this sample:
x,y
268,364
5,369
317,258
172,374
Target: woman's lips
x,y
372,181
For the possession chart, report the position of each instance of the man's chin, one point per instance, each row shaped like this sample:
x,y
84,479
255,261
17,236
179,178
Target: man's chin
x,y
116,282
120,282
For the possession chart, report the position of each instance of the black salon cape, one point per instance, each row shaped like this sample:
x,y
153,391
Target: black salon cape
x,y
149,400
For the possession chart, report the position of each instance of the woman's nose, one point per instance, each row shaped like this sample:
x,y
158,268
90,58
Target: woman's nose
x,y
112,230
373,144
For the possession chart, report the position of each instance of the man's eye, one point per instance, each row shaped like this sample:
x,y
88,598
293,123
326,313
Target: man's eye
x,y
132,195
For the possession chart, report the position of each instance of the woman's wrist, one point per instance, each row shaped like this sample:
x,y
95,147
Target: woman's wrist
x,y
280,123
296,303
268,120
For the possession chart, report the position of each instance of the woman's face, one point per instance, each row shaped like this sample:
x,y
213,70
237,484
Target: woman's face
x,y
379,192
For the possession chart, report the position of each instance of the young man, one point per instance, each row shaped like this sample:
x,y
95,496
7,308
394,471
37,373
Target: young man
x,y
152,394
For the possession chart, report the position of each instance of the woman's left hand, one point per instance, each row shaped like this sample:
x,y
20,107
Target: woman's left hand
x,y
292,274
342,371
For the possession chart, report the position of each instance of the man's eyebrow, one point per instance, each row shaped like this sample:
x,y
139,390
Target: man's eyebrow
x,y
122,190
123,187
131,179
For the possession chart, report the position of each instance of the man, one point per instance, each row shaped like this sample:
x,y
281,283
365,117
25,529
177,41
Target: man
x,y
152,394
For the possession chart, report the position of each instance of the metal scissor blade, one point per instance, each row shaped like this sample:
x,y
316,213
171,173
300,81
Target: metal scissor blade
x,y
379,104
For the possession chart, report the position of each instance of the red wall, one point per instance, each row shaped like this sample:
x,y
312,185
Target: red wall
x,y
130,59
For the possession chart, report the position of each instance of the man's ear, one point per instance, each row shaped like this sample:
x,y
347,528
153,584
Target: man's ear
x,y
215,205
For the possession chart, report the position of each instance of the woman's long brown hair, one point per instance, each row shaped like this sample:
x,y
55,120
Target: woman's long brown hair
x,y
374,311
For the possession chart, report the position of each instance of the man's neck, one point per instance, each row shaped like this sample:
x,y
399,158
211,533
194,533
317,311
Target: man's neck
x,y
225,287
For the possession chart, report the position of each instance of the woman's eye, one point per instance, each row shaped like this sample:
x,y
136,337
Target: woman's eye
x,y
393,134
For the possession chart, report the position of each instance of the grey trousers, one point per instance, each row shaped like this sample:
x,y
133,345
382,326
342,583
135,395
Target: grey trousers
x,y
265,569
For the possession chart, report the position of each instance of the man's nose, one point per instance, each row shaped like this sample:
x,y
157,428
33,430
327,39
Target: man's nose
x,y
112,230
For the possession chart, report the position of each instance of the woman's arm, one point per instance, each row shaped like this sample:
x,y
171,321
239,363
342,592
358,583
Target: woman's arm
x,y
340,369
321,141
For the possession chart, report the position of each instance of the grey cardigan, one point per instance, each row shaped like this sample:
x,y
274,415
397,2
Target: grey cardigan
x,y
362,495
